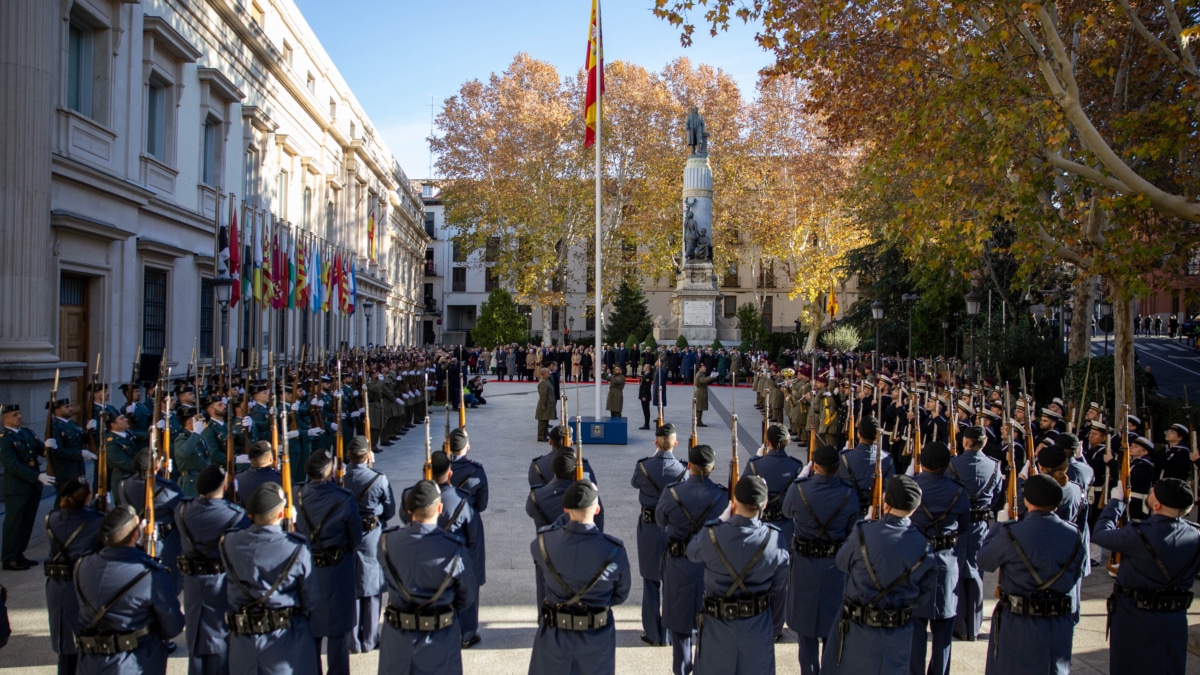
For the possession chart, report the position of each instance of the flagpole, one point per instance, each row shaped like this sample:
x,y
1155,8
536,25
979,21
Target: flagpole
x,y
598,319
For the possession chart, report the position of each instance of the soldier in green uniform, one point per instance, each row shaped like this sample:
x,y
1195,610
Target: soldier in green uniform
x,y
190,449
119,451
24,481
299,428
66,441
260,412
701,382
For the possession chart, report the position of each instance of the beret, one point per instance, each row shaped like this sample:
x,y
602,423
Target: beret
x,y
1043,491
1173,493
563,464
1068,441
974,433
777,435
665,430
702,455
581,494
902,492
210,479
868,428
826,455
1051,456
117,522
259,448
440,462
423,493
935,456
267,498
316,463
69,487
458,440
360,445
751,489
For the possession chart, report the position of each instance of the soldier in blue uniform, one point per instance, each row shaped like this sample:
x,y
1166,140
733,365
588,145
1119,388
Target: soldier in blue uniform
x,y
1141,475
120,449
823,510
100,396
889,573
540,471
1040,559
470,479
779,470
328,516
944,513
260,409
262,471
140,415
132,491
202,521
66,443
585,573
376,505
128,607
650,476
745,565
24,482
73,531
191,451
682,511
272,591
1160,558
984,480
429,580
857,464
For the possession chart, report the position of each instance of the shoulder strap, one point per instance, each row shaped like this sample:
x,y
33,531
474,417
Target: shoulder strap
x,y
576,596
262,599
367,487
883,591
404,589
1162,568
933,522
454,518
98,615
738,577
314,535
536,505
1043,585
63,546
853,479
823,527
986,486
642,465
694,524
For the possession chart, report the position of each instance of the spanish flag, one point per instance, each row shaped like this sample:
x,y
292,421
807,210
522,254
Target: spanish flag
x,y
595,83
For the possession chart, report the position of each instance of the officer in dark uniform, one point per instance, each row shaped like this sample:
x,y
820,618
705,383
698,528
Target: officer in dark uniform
x,y
644,395
575,629
73,531
983,479
300,432
376,506
128,607
540,471
889,573
1141,475
682,511
1040,559
66,443
100,404
24,482
190,450
260,409
328,516
1160,558
857,465
140,415
823,510
779,470
201,523
1175,461
215,434
120,449
469,477
272,591
544,503
262,471
745,565
650,476
944,513
429,580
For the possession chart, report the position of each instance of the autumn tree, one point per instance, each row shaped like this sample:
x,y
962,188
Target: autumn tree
x,y
499,321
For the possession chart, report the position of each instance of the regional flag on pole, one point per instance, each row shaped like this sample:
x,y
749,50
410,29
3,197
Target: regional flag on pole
x,y
235,255
260,244
833,302
293,241
371,235
595,82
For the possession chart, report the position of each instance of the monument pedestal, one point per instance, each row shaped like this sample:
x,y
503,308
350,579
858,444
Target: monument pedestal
x,y
694,309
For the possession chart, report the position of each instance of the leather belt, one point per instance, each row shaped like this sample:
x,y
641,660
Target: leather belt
x,y
875,617
328,557
944,542
1164,600
370,523
260,622
108,644
647,514
1048,604
815,548
574,618
59,571
677,548
737,608
198,567
425,620
980,515
773,513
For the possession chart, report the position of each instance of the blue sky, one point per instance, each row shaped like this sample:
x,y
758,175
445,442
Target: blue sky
x,y
395,53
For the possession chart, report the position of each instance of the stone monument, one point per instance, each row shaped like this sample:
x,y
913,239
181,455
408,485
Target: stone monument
x,y
695,300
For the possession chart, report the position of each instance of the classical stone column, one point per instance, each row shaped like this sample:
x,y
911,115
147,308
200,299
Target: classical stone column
x,y
28,77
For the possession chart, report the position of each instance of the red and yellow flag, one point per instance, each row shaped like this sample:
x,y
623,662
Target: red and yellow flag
x,y
833,302
595,82
371,235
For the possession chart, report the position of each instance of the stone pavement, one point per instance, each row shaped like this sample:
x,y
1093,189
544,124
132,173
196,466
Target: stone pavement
x,y
503,434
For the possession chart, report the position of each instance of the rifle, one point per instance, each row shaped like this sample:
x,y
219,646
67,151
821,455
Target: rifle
x,y
733,461
285,459
47,452
137,363
1029,442
916,449
851,422
367,422
1011,488
1114,561
192,360
338,440
564,420
428,473
766,423
662,395
1107,455
1083,397
462,398
148,503
579,445
1187,407
274,411
446,443
166,444
695,439
877,486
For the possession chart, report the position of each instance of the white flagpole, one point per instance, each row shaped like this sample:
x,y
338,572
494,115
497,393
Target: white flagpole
x,y
597,358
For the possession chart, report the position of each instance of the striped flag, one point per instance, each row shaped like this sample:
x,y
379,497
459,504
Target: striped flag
x,y
595,82
259,249
371,235
291,268
314,297
353,293
235,256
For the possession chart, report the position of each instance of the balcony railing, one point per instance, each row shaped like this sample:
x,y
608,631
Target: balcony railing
x,y
430,270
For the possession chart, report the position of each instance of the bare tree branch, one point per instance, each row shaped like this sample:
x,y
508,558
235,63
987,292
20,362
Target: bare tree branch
x,y
1154,41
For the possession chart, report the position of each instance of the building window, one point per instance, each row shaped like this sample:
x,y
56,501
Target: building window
x,y
590,281
156,120
459,255
730,303
281,194
493,249
332,109
491,280
287,53
459,280
80,56
429,226
256,14
154,311
208,169
554,320
766,275
589,318
353,130
310,83
307,209
1193,264
768,312
426,190
206,318
731,275
250,176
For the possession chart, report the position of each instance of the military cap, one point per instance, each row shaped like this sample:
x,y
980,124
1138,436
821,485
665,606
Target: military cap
x,y
117,524
702,455
974,433
211,399
665,430
902,493
268,497
558,433
1137,421
581,494
1098,427
1174,493
935,456
317,463
259,448
1051,456
211,478
60,403
1095,406
1043,491
1145,443
751,489
9,408
69,487
458,440
777,435
1179,429
423,493
1046,412
826,456
441,462
360,446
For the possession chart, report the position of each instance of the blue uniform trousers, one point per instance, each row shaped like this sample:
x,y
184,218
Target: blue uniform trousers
x,y
740,647
562,652
365,636
942,631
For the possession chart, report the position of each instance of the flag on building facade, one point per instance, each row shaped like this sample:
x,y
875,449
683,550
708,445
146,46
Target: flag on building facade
x,y
371,235
293,240
222,247
595,81
302,285
353,294
235,256
258,249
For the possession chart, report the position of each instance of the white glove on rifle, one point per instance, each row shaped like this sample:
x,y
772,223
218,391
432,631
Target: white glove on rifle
x,y
45,479
296,406
1025,471
271,411
241,459
357,392
197,425
1002,517
91,425
333,426
911,470
399,401
806,471
293,434
162,424
313,433
356,413
315,402
130,409
89,455
1117,493
51,443
337,393
247,422
726,513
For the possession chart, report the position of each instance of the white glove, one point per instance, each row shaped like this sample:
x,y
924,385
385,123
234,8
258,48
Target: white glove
x,y
162,424
320,402
241,459
197,425
333,426
399,401
1002,517
291,513
337,393
380,377
293,434
356,413
271,411
1117,493
315,402
911,470
130,409
89,455
45,480
296,406
313,433
806,471
247,422
1025,471
51,443
91,425
726,513
357,392
762,450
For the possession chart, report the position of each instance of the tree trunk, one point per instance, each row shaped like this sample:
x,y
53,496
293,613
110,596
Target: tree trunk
x,y
1083,296
1122,354
816,317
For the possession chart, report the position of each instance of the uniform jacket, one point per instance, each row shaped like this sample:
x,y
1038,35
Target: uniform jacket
x,y
61,601
19,453
201,523
325,502
651,476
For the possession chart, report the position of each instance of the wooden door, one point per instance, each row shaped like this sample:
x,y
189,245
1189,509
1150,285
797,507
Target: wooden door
x,y
73,337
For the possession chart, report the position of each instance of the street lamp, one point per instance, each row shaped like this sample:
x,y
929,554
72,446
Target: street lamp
x,y
223,288
972,310
570,327
877,313
910,299
368,309
945,334
1105,321
1067,313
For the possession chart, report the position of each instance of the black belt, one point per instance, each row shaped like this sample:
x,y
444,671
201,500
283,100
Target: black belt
x,y
198,567
165,529
424,620
943,542
1047,604
732,609
328,557
980,515
875,617
59,571
815,548
647,514
773,512
262,621
1166,600
108,644
574,617
677,547
370,523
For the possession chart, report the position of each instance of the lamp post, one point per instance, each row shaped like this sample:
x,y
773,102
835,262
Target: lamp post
x,y
877,313
570,327
368,309
223,288
1068,313
910,299
945,334
1105,322
972,310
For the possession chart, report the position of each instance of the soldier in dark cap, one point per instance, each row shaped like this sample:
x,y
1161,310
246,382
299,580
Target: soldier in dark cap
x,y
779,470
272,591
1041,559
376,505
1141,475
944,513
73,531
682,511
540,471
262,471
24,482
983,479
132,491
191,451
1175,460
745,566
1052,461
202,521
128,607
471,479
857,464
575,628
328,516
429,580
889,574
1160,558
120,448
140,415
823,510
651,475
66,442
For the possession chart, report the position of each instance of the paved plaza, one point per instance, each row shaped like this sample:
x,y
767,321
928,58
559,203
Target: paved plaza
x,y
503,434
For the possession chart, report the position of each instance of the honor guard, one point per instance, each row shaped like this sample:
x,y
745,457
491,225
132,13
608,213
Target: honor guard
x,y
66,442
1079,474
1096,440
889,574
24,482
139,414
120,449
100,404
650,476
1160,557
470,479
682,511
300,429
984,482
545,404
376,506
201,522
132,491
1175,461
1141,476
272,590
73,531
823,509
1040,559
779,470
328,516
260,409
190,449
585,573
857,464
540,471
262,471
745,566
429,580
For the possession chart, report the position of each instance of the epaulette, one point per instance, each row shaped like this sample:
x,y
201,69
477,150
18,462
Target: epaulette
x,y
714,522
613,539
234,507
547,528
296,538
